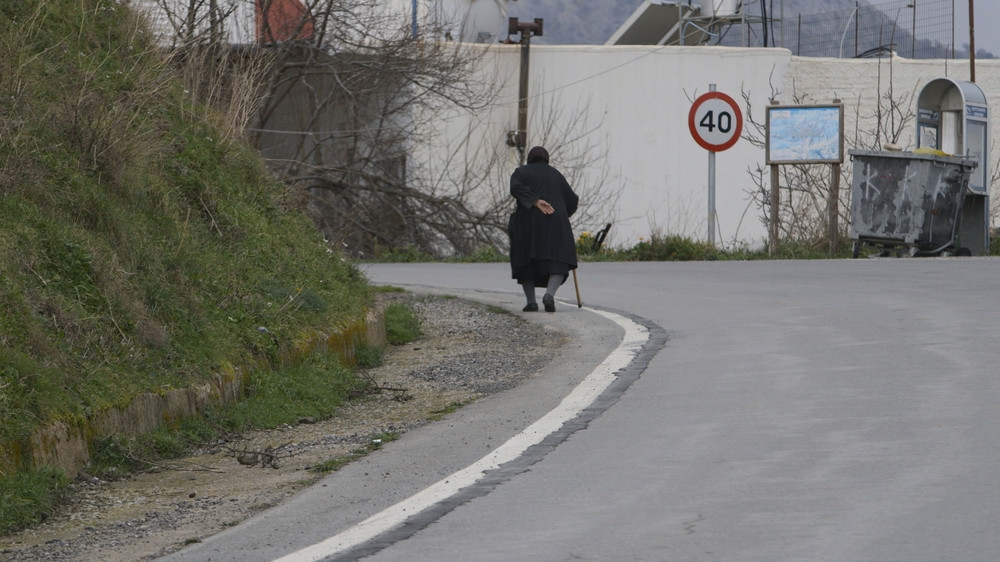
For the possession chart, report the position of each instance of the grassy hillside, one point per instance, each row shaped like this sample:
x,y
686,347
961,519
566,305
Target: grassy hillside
x,y
140,249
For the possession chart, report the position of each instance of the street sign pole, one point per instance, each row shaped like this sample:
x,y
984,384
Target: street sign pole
x,y
711,189
711,198
715,122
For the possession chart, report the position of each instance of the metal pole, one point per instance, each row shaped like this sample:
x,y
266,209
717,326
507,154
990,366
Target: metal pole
x,y
711,198
913,33
522,101
783,44
972,41
526,29
857,28
798,37
413,23
711,189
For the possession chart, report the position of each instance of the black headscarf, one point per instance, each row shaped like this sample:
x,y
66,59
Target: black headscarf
x,y
538,154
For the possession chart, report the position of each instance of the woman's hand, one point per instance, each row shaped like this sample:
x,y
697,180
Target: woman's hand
x,y
545,207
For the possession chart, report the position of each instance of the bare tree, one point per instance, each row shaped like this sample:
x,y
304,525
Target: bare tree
x,y
805,188
348,91
191,22
351,100
223,80
579,150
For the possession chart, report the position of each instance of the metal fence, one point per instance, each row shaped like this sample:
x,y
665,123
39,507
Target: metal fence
x,y
920,29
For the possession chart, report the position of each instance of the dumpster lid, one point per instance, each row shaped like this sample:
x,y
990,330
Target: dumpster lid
x,y
967,162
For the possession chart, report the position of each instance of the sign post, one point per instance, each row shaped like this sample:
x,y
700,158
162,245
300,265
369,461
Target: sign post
x,y
805,134
715,122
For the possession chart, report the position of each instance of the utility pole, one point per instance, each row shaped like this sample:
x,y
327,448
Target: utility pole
x,y
972,41
526,29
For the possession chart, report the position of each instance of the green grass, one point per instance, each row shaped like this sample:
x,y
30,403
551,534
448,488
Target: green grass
x,y
142,248
402,325
369,356
995,242
389,289
494,309
437,415
335,464
138,252
30,497
683,248
655,248
316,389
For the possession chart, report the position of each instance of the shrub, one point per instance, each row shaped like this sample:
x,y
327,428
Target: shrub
x,y
671,248
402,325
30,497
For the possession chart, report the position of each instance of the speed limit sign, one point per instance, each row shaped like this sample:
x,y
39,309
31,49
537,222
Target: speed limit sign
x,y
715,121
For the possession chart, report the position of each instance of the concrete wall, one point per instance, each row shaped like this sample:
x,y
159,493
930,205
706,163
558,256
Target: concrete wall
x,y
634,104
639,99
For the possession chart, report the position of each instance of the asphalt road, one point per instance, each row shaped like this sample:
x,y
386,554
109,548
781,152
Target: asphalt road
x,y
815,411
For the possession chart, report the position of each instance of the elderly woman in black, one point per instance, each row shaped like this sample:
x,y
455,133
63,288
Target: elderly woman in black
x,y
542,246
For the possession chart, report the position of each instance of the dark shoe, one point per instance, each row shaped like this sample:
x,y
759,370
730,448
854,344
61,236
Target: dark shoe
x,y
531,307
549,302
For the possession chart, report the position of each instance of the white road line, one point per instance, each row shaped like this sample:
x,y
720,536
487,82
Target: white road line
x,y
579,399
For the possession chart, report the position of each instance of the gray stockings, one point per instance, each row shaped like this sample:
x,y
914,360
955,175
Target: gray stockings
x,y
554,282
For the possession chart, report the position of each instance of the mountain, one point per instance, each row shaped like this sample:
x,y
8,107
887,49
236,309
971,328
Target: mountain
x,y
592,22
827,28
574,22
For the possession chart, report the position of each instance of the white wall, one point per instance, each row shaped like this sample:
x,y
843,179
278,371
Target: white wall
x,y
634,104
643,96
860,82
637,101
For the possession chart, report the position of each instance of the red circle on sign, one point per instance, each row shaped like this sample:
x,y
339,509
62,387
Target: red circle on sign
x,y
715,142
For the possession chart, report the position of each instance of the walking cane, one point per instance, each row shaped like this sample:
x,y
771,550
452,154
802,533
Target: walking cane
x,y
579,303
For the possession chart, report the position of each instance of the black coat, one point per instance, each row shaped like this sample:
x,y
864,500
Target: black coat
x,y
539,241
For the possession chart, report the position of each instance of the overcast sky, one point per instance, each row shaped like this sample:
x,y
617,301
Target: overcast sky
x,y
987,14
